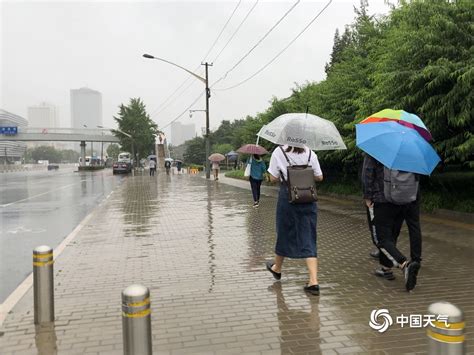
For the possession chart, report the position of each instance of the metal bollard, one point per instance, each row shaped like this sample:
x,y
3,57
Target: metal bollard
x,y
43,284
446,339
136,320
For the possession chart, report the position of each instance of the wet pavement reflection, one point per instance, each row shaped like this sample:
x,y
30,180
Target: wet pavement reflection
x,y
200,247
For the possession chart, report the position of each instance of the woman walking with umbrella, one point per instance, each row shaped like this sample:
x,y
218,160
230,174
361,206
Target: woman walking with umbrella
x,y
296,222
257,169
215,159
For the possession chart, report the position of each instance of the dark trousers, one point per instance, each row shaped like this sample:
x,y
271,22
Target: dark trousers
x,y
152,171
388,222
255,185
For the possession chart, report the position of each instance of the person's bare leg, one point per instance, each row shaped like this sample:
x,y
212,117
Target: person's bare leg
x,y
312,265
278,263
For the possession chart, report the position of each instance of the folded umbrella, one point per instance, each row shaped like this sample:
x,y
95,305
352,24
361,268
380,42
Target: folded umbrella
x,y
402,117
397,147
252,149
303,129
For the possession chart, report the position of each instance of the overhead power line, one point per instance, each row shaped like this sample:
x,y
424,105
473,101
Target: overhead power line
x,y
259,41
237,30
185,111
279,53
168,101
222,31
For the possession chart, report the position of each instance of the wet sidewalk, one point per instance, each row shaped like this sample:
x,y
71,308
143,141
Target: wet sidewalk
x,y
200,247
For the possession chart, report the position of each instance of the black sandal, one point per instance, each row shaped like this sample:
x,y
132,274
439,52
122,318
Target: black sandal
x,y
276,275
314,289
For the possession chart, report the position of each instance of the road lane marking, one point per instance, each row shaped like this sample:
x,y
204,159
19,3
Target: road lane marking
x,y
41,194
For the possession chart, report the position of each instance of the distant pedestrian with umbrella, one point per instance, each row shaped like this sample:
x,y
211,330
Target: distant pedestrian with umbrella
x,y
396,155
215,159
298,134
257,169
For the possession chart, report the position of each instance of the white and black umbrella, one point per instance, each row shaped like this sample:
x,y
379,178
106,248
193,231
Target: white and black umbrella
x,y
303,129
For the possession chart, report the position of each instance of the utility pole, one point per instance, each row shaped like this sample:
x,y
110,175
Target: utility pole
x,y
208,142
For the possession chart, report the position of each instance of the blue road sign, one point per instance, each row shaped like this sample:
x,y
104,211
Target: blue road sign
x,y
9,131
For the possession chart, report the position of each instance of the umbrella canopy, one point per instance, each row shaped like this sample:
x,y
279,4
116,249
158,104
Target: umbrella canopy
x,y
216,157
397,147
232,154
169,159
300,130
402,117
252,149
151,156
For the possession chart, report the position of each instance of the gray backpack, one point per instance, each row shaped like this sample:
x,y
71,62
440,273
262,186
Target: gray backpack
x,y
399,187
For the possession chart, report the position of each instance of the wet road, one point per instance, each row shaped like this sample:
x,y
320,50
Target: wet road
x,y
43,207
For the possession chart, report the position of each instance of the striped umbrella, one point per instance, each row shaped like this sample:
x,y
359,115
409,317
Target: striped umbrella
x,y
402,117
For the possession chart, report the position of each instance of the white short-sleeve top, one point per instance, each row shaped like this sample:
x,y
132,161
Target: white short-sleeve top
x,y
278,163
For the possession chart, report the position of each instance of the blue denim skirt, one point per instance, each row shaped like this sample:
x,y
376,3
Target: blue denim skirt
x,y
296,227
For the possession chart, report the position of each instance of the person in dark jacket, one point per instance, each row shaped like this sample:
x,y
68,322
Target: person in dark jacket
x,y
388,219
257,171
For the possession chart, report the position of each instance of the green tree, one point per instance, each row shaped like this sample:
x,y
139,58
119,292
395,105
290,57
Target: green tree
x,y
425,66
195,151
134,120
69,155
46,153
113,151
223,148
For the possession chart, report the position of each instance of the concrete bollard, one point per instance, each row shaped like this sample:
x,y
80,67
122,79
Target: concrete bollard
x,y
136,320
43,284
446,338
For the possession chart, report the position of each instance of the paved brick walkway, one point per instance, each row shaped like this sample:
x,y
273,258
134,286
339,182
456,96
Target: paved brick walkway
x,y
201,248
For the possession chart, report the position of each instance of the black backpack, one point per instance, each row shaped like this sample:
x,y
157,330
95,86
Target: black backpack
x,y
300,182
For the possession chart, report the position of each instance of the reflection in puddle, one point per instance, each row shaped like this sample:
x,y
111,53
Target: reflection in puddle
x,y
299,329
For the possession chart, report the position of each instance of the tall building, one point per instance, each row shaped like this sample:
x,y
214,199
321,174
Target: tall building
x,y
180,133
86,108
11,151
43,116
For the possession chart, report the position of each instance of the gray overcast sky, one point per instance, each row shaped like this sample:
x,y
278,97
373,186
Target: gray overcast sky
x,y
49,48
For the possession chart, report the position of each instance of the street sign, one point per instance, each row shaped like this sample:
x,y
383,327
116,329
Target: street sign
x,y
9,131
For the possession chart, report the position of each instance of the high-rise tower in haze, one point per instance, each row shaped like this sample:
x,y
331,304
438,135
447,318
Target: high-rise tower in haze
x,y
43,116
86,108
180,133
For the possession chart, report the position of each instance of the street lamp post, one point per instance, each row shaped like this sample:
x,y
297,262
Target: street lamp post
x,y
208,95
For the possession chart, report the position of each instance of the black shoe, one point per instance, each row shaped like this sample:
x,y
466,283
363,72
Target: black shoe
x,y
411,272
386,274
276,275
314,289
375,253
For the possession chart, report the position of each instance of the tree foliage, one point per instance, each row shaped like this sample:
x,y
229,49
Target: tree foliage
x,y
51,154
417,58
134,120
113,151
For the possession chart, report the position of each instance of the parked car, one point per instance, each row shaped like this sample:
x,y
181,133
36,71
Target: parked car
x,y
53,167
123,164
